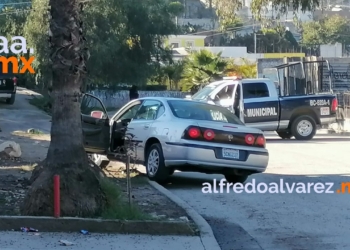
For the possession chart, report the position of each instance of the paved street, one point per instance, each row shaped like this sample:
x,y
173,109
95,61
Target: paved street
x,y
23,116
280,221
28,241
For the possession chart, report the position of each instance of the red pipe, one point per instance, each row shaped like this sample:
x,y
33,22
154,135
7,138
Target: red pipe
x,y
56,196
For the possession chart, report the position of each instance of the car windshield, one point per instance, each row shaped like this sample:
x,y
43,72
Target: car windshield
x,y
206,91
203,93
202,111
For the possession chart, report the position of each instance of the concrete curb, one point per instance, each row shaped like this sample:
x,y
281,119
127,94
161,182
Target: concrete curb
x,y
73,224
206,233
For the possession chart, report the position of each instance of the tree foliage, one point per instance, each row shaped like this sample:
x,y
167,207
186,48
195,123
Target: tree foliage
x,y
226,11
124,38
268,41
202,67
244,68
329,30
258,7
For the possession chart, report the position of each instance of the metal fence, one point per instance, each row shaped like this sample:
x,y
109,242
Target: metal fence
x,y
346,104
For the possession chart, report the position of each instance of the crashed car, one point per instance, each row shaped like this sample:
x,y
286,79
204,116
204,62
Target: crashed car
x,y
176,134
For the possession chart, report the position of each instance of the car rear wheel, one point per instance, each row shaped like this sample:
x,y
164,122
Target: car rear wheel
x,y
233,178
284,134
155,166
98,160
11,100
304,127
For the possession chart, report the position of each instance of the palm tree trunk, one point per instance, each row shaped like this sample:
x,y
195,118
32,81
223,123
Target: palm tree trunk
x,y
81,193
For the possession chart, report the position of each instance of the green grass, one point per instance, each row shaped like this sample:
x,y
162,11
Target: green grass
x,y
2,201
35,131
42,102
117,205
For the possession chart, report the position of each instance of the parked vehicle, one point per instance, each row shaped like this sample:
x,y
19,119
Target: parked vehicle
x,y
176,134
270,106
8,87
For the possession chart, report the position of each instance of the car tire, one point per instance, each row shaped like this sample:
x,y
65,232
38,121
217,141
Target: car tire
x,y
11,100
155,165
99,160
304,128
284,134
233,178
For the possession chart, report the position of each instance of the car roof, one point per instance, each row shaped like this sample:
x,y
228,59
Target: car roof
x,y
234,81
159,98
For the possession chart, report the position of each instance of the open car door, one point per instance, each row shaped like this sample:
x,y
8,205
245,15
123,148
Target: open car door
x,y
95,124
238,103
241,101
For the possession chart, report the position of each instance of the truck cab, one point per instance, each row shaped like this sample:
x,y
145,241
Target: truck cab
x,y
259,104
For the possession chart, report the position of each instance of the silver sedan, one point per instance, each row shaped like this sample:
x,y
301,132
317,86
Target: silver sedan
x,y
177,134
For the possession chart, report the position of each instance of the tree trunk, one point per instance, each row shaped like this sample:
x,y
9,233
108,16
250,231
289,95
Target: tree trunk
x,y
81,193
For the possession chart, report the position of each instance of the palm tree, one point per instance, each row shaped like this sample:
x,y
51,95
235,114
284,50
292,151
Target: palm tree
x,y
245,69
201,68
81,193
172,73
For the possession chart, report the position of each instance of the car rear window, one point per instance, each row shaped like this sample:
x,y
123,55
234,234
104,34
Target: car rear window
x,y
202,111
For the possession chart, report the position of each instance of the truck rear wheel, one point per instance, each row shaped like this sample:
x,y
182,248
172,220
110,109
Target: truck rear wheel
x,y
304,128
11,100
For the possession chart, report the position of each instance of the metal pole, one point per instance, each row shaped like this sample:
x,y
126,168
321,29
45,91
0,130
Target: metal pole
x,y
128,181
254,42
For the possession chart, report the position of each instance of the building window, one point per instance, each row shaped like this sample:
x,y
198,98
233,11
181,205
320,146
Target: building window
x,y
174,45
189,44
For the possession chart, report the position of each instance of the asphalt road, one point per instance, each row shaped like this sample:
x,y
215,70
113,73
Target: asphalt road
x,y
21,115
280,221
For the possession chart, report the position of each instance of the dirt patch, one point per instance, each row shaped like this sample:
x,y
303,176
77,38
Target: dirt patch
x,y
148,199
15,173
14,182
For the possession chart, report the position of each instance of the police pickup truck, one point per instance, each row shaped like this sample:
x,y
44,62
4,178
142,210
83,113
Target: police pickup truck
x,y
263,106
8,86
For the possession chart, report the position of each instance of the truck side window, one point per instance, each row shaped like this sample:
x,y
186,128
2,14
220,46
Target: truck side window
x,y
255,90
226,92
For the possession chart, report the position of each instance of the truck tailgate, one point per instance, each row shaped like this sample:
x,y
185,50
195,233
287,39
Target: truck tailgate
x,y
7,85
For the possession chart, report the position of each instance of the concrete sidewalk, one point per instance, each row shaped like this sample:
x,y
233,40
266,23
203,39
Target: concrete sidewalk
x,y
30,241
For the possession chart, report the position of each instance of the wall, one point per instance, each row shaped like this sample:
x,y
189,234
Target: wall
x,y
263,63
282,55
182,40
204,23
331,50
120,98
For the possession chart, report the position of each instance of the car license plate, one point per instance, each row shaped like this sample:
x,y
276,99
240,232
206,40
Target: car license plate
x,y
325,111
230,153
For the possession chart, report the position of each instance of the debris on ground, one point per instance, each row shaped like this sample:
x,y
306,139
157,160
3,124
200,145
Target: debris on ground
x,y
66,243
84,232
10,149
29,229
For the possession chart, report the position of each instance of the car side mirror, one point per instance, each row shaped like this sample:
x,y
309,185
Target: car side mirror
x,y
97,114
